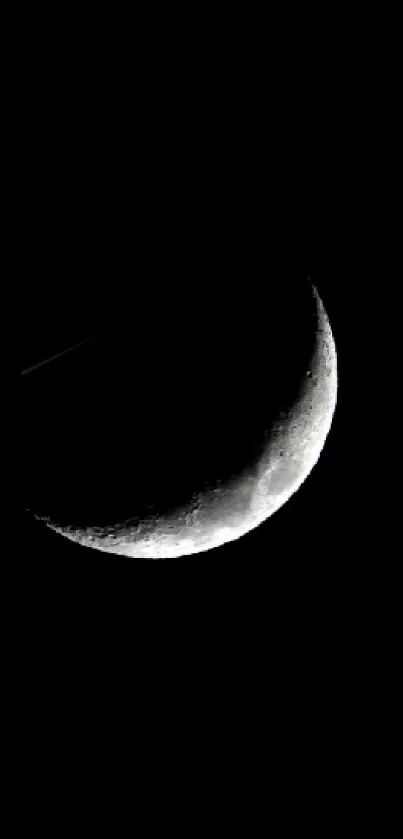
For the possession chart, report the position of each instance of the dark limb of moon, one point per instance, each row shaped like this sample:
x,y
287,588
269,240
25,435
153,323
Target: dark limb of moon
x,y
221,454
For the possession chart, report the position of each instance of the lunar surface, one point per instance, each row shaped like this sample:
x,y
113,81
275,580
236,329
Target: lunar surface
x,y
226,509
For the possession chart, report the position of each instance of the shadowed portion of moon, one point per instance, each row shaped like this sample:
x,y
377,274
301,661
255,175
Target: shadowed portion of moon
x,y
176,403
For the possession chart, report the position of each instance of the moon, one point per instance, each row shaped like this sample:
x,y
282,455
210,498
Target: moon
x,y
227,510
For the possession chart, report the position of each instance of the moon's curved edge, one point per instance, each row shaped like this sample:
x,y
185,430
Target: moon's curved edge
x,y
229,512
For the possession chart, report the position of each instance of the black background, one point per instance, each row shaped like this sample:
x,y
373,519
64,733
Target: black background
x,y
122,225
264,653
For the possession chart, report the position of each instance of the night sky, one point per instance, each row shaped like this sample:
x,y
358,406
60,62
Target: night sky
x,y
183,262
173,214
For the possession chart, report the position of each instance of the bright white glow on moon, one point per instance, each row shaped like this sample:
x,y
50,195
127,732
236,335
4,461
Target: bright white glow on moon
x,y
229,511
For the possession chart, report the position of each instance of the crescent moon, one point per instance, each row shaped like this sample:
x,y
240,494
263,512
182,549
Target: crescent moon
x,y
227,512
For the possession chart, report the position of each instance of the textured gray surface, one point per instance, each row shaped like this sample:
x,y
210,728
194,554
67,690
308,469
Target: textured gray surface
x,y
226,512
